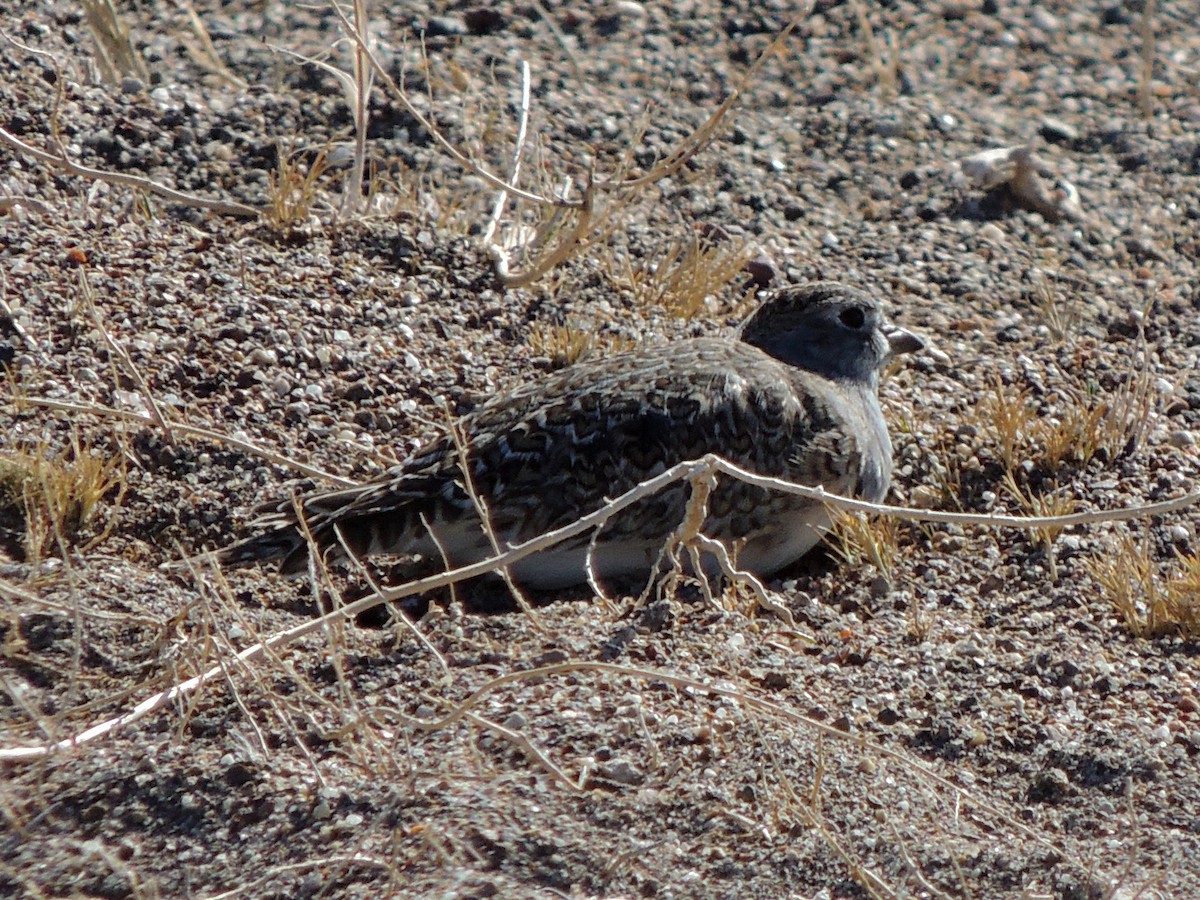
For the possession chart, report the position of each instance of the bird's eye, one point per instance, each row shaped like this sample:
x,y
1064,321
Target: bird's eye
x,y
852,317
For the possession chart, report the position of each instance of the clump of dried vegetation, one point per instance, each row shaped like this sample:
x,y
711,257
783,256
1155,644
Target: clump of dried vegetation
x,y
565,345
683,279
1150,601
54,495
861,540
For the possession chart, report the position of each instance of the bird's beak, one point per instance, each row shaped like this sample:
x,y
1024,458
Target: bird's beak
x,y
901,341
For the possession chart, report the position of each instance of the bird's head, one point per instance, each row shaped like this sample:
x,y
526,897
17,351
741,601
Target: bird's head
x,y
829,329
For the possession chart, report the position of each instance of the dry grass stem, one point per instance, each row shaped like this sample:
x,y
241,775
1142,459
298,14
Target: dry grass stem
x,y
884,69
1045,506
1146,70
123,357
323,864
11,319
114,43
514,175
873,540
1009,417
222,207
364,77
202,50
459,436
431,129
195,431
565,345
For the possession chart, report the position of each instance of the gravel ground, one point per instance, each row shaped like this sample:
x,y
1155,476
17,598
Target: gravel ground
x,y
975,715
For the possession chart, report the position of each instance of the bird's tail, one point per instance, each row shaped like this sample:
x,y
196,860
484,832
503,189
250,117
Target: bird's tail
x,y
282,543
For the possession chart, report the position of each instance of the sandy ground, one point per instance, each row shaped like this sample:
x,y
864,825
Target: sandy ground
x,y
969,712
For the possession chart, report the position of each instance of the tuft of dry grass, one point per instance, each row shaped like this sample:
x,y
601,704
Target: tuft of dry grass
x,y
1091,423
565,345
1045,504
55,495
1182,607
1059,316
858,539
1008,417
683,278
1149,603
293,189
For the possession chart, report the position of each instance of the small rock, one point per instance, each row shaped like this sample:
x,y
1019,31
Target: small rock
x,y
1044,20
1115,15
1057,131
630,8
1181,439
924,496
297,412
621,772
445,26
970,649
992,232
1050,786
762,269
945,123
483,20
516,722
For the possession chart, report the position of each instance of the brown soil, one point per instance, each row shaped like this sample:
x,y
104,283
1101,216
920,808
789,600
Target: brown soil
x,y
975,718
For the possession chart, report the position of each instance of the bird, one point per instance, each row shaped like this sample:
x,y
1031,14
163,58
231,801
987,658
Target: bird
x,y
791,394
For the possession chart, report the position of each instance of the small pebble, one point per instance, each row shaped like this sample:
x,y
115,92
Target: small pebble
x,y
621,772
516,722
991,232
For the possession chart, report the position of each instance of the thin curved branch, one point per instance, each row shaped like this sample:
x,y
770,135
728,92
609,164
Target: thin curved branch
x,y
223,207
